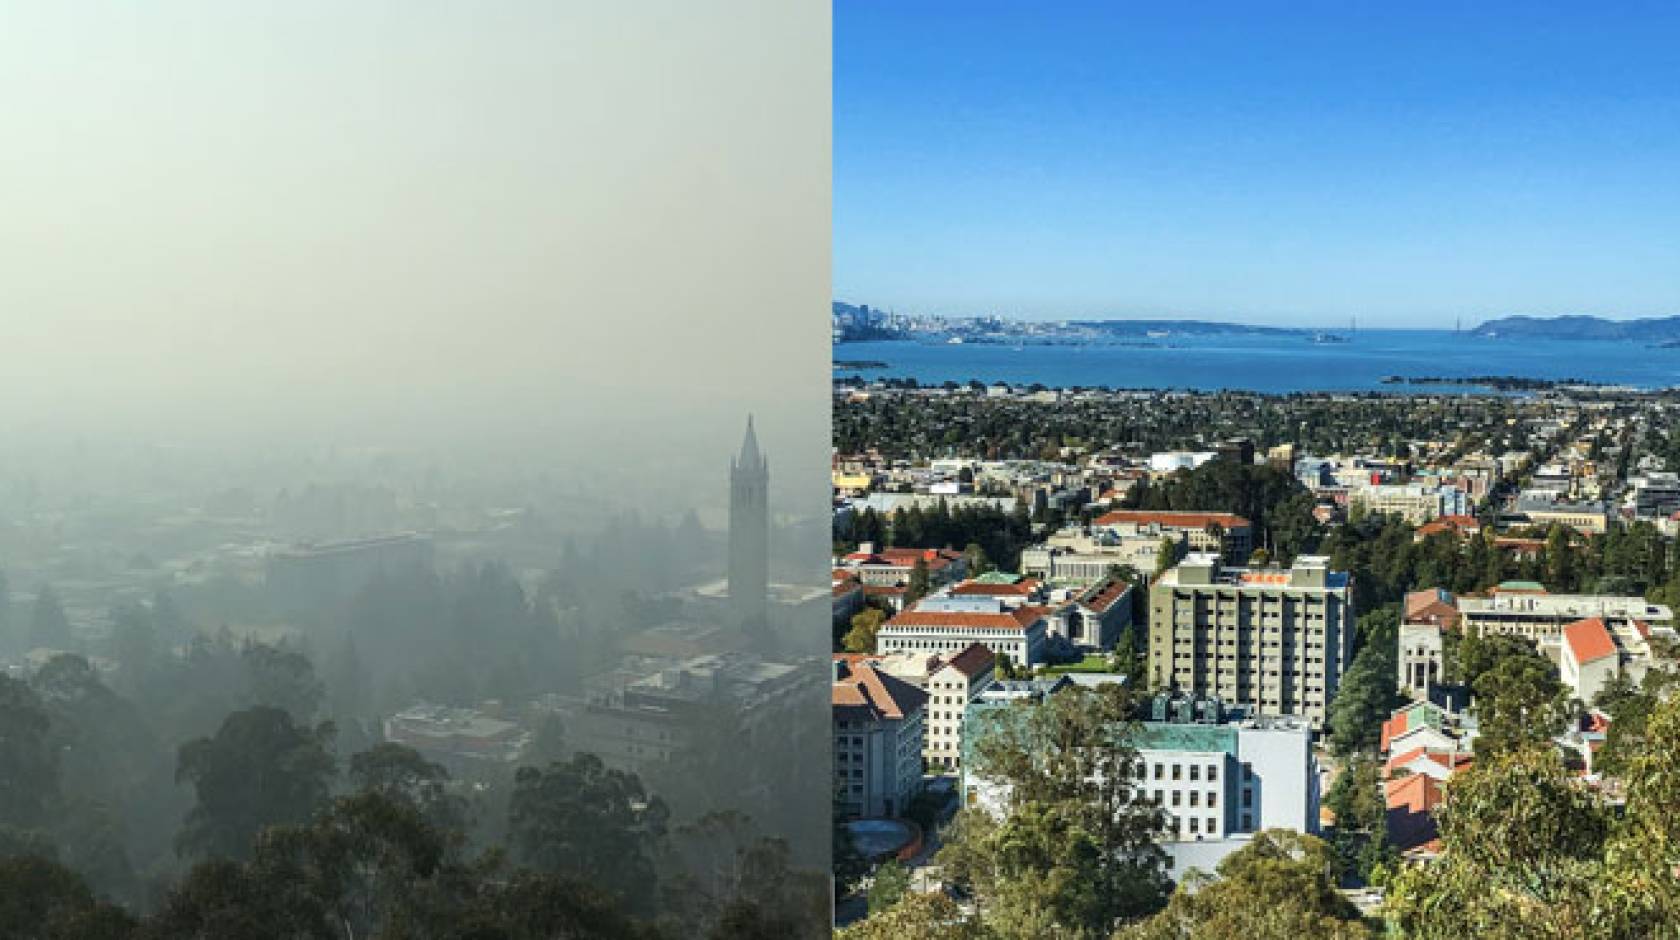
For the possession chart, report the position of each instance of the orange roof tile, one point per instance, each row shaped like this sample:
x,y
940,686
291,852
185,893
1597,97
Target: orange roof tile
x,y
1588,641
867,689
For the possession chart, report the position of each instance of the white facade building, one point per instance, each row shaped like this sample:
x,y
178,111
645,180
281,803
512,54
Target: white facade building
x,y
950,624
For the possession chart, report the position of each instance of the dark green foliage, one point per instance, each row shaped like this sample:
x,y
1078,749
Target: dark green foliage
x,y
1270,498
260,769
1360,839
1281,886
998,536
28,760
1518,701
1076,851
891,882
1367,693
400,774
578,817
42,900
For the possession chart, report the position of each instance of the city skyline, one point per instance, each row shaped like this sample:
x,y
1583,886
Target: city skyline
x,y
1289,167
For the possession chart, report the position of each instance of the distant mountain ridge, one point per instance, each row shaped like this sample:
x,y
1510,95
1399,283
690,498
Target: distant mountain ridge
x,y
1580,326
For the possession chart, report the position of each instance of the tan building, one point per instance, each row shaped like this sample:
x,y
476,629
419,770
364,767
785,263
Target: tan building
x,y
1227,533
1536,615
1275,640
893,567
1421,659
950,688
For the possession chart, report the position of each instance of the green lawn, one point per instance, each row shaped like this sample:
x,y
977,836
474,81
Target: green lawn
x,y
1093,662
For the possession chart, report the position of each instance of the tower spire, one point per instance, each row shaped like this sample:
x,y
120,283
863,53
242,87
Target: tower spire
x,y
749,532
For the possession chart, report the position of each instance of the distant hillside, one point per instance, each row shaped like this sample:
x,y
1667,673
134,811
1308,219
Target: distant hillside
x,y
1648,330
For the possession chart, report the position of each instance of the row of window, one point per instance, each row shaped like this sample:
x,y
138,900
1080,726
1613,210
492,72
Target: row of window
x,y
1178,770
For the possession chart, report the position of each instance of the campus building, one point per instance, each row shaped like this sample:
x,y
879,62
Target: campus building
x,y
1277,641
879,729
1226,533
949,624
1217,774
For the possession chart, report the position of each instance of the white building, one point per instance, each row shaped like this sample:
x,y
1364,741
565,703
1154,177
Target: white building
x,y
950,624
1217,781
1173,460
1416,503
1588,659
1541,617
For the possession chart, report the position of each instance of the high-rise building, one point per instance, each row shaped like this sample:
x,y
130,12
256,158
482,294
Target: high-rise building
x,y
749,532
1275,640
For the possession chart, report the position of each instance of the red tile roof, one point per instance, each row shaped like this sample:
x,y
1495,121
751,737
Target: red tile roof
x,y
973,660
866,692
1173,520
1410,801
1588,641
1022,588
1457,524
1104,595
1019,619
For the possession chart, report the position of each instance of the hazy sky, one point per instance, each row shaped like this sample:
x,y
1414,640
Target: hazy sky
x,y
595,228
1295,162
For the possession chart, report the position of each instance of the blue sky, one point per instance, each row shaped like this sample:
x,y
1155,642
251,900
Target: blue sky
x,y
1287,162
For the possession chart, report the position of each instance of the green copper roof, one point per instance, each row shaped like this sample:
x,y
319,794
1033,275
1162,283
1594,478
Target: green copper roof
x,y
998,577
1167,736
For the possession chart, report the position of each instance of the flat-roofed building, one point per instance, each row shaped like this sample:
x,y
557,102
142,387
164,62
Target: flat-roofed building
x,y
318,575
1416,503
1541,617
1229,534
1218,776
1275,640
1591,518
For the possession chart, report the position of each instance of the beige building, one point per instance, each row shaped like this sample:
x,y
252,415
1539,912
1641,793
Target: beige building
x,y
1229,534
950,688
1275,640
1075,556
1415,503
1541,617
